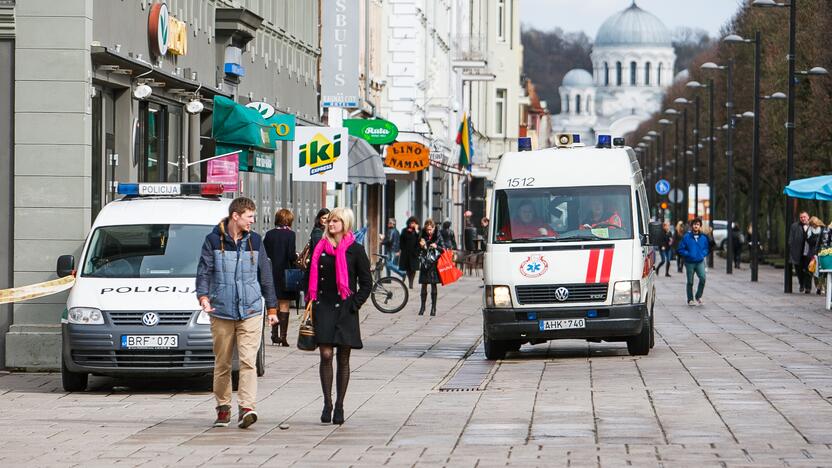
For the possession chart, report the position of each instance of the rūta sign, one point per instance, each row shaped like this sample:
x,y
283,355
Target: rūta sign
x,y
374,131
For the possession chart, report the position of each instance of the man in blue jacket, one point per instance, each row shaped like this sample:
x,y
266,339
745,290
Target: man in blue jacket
x,y
694,250
233,278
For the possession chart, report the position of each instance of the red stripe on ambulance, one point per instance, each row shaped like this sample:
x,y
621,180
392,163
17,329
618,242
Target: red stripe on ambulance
x,y
592,267
607,268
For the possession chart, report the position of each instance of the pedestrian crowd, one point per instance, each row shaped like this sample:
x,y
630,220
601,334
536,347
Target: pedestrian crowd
x,y
240,273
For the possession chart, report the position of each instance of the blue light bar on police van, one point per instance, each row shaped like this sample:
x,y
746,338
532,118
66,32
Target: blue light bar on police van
x,y
168,190
604,141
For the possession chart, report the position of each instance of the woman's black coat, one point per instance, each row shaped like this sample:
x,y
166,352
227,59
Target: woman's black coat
x,y
280,247
409,248
336,319
428,273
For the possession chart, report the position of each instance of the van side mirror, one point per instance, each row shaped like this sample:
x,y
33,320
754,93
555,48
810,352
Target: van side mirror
x,y
655,231
65,266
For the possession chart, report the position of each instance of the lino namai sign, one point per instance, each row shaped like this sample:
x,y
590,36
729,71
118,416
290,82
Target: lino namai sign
x,y
407,156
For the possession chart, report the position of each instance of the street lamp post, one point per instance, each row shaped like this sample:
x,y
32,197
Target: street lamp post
x,y
675,185
696,159
685,187
729,153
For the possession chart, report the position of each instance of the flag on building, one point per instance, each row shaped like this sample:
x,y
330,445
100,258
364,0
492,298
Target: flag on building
x,y
465,140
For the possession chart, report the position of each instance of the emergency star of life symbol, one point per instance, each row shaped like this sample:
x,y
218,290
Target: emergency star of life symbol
x,y
534,266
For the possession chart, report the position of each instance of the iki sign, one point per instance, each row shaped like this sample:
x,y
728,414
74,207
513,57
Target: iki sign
x,y
320,154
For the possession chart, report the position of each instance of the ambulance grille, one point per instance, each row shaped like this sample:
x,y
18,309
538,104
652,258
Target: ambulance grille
x,y
545,293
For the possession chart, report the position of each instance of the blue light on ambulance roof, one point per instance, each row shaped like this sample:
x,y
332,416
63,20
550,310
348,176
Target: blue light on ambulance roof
x,y
604,141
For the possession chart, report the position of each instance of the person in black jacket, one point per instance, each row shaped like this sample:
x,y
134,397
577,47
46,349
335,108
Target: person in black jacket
x,y
339,284
799,252
448,236
319,228
665,249
280,247
429,240
409,250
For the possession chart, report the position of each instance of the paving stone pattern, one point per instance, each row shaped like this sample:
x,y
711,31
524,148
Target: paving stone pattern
x,y
742,381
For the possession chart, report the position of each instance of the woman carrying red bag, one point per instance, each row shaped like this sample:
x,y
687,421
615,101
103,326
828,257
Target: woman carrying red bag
x,y
430,243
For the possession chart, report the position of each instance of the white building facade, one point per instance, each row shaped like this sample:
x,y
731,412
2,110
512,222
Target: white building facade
x,y
632,65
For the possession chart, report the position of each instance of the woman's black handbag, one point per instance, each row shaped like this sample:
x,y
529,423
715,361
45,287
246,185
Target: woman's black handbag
x,y
306,331
293,279
428,258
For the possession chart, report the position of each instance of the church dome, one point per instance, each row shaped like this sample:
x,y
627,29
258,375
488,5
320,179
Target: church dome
x,y
578,77
632,27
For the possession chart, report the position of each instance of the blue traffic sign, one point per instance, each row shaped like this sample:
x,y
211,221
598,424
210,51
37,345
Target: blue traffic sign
x,y
662,187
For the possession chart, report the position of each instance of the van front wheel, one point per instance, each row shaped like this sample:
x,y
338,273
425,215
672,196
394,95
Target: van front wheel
x,y
494,349
639,345
73,381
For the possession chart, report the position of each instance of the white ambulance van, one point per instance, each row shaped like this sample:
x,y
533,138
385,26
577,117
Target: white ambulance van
x,y
133,309
569,255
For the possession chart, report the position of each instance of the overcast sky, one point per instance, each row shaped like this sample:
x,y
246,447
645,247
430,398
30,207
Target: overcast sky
x,y
587,15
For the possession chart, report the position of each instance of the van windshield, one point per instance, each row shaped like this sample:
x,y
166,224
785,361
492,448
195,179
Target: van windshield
x,y
563,214
145,251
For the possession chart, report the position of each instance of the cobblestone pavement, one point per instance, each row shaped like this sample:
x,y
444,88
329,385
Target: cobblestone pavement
x,y
742,381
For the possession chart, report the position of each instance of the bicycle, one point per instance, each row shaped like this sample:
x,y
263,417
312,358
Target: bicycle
x,y
389,294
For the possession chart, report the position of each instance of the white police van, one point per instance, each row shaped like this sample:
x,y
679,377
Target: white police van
x,y
569,254
133,308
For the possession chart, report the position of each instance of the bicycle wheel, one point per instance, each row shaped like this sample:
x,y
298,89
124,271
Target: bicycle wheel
x,y
389,295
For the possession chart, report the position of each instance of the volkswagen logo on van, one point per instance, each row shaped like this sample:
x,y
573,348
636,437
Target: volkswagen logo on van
x,y
150,319
561,294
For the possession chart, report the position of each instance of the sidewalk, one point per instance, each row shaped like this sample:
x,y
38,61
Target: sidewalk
x,y
742,381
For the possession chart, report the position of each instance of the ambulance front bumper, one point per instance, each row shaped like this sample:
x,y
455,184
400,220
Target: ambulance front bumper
x,y
527,324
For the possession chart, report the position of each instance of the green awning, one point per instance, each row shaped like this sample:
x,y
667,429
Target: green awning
x,y
239,125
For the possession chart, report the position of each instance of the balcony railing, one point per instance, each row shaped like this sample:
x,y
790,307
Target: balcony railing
x,y
474,47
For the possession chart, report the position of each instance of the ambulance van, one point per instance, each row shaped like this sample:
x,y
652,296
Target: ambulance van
x,y
569,252
133,309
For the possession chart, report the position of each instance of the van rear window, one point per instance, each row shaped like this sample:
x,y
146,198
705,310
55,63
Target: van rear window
x,y
563,214
145,251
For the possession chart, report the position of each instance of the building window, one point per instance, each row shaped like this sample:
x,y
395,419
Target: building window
x,y
589,104
647,73
606,74
501,20
659,75
566,103
500,112
618,74
578,104
153,148
632,73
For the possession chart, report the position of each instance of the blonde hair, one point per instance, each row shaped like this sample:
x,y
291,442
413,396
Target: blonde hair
x,y
814,221
346,216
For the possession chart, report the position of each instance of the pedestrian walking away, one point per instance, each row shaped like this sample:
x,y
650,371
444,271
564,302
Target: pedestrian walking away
x,y
430,243
737,242
678,234
694,250
339,284
448,236
799,252
280,247
665,249
409,250
233,278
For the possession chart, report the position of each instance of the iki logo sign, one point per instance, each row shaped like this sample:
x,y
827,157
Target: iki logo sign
x,y
320,154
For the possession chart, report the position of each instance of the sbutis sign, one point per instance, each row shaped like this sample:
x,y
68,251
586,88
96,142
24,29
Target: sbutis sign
x,y
407,156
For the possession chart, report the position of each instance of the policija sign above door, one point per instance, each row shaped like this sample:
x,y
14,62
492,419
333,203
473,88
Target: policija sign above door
x,y
407,156
320,154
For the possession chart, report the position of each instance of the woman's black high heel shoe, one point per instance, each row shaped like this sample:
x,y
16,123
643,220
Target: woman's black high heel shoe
x,y
338,415
326,414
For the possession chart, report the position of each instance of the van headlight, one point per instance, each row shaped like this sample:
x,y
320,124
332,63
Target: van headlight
x,y
626,292
497,297
85,316
203,318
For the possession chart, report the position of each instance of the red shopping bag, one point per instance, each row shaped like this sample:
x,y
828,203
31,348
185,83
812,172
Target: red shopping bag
x,y
448,272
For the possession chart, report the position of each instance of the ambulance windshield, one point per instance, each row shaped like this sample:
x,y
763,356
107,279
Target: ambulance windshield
x,y
145,251
563,214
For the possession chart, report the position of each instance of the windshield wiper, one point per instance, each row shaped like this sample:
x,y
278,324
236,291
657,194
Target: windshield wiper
x,y
532,240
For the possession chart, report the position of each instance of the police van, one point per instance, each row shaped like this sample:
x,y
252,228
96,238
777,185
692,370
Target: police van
x,y
133,308
569,253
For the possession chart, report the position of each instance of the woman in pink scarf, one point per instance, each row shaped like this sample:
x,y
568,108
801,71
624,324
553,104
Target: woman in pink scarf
x,y
339,284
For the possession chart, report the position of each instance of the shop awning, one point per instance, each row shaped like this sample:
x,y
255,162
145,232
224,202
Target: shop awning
x,y
365,163
239,125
